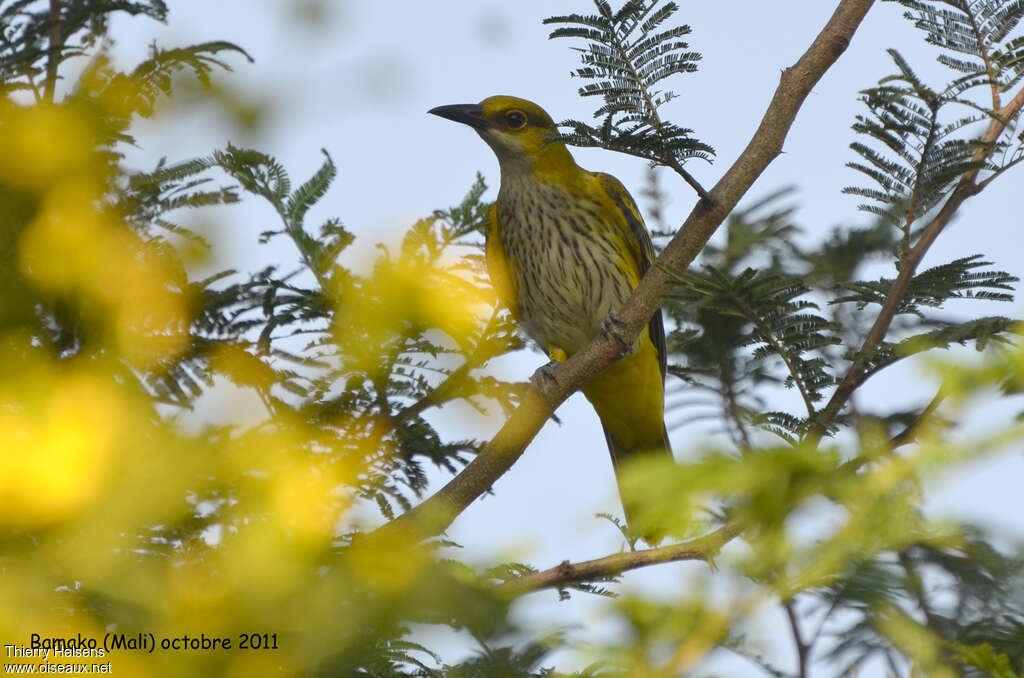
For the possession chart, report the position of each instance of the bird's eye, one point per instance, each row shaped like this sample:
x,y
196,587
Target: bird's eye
x,y
515,119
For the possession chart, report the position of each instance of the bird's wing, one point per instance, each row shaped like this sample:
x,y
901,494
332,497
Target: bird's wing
x,y
641,248
498,265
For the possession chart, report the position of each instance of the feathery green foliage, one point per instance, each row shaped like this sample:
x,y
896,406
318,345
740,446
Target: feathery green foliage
x,y
920,154
629,53
980,613
762,312
980,30
935,286
776,324
29,58
921,148
264,521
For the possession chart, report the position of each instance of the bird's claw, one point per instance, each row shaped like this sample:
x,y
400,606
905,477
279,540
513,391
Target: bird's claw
x,y
613,326
548,372
545,377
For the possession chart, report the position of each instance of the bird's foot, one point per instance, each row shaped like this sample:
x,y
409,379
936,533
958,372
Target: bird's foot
x,y
544,378
613,326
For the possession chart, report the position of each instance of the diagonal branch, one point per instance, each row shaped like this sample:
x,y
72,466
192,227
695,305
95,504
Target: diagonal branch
x,y
983,50
911,432
915,584
803,647
776,346
968,186
702,548
667,159
435,514
919,174
54,48
439,394
673,163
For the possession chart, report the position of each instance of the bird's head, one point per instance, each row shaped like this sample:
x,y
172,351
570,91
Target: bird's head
x,y
520,132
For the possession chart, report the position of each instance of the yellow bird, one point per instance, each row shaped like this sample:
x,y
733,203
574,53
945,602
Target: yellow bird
x,y
565,248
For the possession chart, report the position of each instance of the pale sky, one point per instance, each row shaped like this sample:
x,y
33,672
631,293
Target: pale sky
x,y
358,81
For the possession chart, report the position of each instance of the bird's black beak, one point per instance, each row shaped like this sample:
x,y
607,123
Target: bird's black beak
x,y
468,114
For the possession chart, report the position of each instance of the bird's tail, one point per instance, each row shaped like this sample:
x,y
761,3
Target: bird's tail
x,y
620,455
630,402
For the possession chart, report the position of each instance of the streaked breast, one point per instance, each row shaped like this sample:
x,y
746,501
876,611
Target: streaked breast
x,y
569,268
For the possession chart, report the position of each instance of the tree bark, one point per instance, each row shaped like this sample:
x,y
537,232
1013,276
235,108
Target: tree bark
x,y
436,513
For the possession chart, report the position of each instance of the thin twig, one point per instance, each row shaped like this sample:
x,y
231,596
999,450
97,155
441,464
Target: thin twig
x,y
933,128
437,395
917,587
669,160
436,513
26,72
965,188
777,347
702,548
988,180
456,378
802,647
983,51
673,162
910,433
757,661
55,47
730,400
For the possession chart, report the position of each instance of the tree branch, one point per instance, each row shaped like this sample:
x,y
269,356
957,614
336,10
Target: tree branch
x,y
453,382
781,352
435,514
673,163
55,46
933,128
802,647
667,159
983,51
702,548
914,581
911,432
965,188
438,395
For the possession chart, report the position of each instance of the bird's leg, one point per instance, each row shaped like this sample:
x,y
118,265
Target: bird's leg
x,y
542,380
546,374
613,326
544,377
